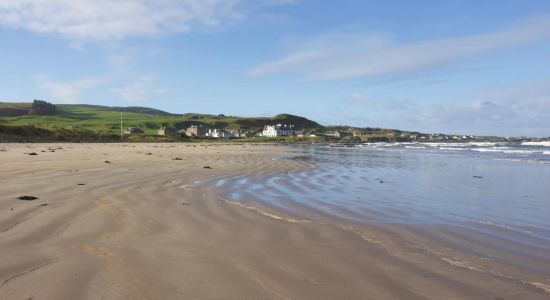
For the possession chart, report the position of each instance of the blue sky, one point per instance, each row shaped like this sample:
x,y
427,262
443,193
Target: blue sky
x,y
475,67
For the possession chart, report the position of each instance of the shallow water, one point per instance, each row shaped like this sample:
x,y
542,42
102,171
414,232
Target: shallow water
x,y
499,189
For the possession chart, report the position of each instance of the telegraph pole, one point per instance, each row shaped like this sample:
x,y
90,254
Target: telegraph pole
x,y
121,134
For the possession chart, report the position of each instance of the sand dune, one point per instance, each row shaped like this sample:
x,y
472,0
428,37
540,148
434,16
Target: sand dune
x,y
146,226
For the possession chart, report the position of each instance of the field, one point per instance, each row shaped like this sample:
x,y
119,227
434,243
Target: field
x,y
106,120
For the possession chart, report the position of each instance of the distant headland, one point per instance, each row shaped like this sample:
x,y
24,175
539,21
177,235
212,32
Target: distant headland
x,y
41,121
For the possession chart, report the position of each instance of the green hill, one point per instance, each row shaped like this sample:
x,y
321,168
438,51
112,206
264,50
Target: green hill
x,y
14,109
42,121
105,120
134,109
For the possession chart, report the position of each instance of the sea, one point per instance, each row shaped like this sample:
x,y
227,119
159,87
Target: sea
x,y
492,187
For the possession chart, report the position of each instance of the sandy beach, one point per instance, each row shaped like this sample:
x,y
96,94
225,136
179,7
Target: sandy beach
x,y
145,221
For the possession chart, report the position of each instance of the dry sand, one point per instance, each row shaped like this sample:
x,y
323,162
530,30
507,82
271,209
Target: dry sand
x,y
147,226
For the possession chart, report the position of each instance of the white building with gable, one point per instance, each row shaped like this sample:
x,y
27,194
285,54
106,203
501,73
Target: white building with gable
x,y
278,130
217,133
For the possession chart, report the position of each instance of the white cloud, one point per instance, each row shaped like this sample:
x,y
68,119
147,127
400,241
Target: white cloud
x,y
517,109
351,55
474,112
101,20
528,90
510,117
358,98
66,91
379,103
140,90
521,108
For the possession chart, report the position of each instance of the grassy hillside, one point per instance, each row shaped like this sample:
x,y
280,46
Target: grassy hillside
x,y
106,120
14,109
41,121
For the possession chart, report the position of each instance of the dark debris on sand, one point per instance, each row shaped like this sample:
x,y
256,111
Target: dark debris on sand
x,y
207,167
32,153
177,158
107,162
27,198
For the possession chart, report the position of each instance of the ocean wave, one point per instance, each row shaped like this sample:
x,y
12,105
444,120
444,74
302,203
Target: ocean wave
x,y
436,145
482,144
453,149
506,150
461,144
263,212
539,161
508,227
542,143
479,268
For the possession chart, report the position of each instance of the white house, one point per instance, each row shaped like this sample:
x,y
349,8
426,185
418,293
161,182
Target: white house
x,y
217,133
278,130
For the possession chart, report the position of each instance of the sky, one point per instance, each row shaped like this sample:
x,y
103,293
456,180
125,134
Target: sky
x,y
456,67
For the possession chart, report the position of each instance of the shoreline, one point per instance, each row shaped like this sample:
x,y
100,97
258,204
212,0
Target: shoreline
x,y
148,226
443,242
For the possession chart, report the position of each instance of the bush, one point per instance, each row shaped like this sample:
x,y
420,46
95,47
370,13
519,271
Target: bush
x,y
42,108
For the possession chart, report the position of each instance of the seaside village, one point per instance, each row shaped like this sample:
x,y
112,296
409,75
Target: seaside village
x,y
287,130
201,131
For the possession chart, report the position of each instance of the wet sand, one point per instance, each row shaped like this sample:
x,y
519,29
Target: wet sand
x,y
148,226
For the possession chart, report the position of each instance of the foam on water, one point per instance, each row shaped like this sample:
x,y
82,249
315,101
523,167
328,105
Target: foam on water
x,y
507,150
540,144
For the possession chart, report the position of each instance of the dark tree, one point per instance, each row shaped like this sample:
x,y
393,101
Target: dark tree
x,y
40,107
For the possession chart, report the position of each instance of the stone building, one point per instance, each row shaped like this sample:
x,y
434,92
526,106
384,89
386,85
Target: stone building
x,y
196,131
166,131
133,130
